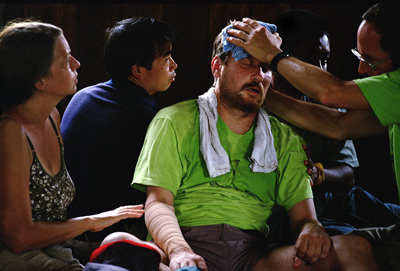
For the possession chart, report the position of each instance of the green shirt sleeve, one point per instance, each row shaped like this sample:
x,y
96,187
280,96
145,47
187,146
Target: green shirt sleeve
x,y
294,182
383,94
159,163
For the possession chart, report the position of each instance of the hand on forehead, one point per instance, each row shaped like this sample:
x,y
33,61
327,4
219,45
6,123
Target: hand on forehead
x,y
238,52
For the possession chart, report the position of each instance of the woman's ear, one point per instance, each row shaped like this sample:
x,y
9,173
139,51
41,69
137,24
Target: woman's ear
x,y
216,65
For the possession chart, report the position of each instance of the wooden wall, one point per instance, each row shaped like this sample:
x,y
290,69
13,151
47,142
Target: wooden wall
x,y
198,24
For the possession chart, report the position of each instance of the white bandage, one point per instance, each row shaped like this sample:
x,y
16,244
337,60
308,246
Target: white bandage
x,y
164,228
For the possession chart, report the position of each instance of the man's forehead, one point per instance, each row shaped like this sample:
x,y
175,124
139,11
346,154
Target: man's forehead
x,y
367,33
249,59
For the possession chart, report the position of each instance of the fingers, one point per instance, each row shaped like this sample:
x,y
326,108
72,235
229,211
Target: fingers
x,y
251,22
237,36
311,250
298,262
246,24
202,265
177,266
187,260
136,210
243,28
325,249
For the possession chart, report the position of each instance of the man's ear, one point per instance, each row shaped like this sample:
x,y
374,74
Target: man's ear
x,y
39,85
216,65
136,71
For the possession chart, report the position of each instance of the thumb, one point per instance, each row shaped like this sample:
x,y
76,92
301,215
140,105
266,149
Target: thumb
x,y
297,262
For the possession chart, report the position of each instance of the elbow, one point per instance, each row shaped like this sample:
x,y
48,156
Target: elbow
x,y
339,134
15,243
17,240
328,98
331,95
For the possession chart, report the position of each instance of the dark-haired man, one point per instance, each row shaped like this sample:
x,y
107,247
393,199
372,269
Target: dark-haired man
x,y
340,206
104,125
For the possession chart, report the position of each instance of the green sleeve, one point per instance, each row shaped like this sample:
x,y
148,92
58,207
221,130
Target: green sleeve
x,y
159,163
383,95
294,182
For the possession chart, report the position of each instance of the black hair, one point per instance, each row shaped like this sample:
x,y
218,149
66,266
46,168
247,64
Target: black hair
x,y
136,41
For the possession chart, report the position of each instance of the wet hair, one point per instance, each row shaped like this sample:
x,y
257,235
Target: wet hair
x,y
218,49
136,41
26,55
300,26
386,17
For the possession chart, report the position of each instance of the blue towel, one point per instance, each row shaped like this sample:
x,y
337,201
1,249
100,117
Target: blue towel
x,y
238,52
189,268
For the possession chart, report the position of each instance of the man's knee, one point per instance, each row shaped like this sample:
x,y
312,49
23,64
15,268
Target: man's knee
x,y
350,242
354,251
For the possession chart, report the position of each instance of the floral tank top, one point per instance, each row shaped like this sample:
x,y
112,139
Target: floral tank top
x,y
50,195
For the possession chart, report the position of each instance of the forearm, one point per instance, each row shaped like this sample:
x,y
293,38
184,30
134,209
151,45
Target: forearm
x,y
338,178
324,120
164,228
39,234
312,117
316,83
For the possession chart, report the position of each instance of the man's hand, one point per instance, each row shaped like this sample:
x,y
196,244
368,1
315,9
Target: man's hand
x,y
185,257
255,39
312,244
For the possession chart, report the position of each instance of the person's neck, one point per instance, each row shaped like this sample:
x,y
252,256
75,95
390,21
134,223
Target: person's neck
x,y
238,121
33,112
138,83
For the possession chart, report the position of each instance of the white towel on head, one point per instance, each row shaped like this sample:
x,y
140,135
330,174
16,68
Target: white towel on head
x,y
263,157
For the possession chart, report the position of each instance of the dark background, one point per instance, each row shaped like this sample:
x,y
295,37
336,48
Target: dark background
x,y
197,24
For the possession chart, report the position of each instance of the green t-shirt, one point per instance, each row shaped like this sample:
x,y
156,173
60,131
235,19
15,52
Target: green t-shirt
x,y
383,95
171,159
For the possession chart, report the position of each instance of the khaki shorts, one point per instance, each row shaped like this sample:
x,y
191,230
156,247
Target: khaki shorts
x,y
225,247
385,242
55,258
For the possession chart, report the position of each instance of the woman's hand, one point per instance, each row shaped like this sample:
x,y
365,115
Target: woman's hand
x,y
106,219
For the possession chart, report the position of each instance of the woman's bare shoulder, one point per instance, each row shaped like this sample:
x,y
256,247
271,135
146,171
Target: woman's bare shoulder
x,y
12,137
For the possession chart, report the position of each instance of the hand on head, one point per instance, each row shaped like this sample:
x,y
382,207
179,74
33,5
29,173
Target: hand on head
x,y
255,39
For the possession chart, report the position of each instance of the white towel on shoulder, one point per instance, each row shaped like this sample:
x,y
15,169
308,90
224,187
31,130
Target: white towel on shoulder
x,y
263,157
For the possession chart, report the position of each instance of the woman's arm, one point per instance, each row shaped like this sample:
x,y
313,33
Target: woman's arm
x,y
18,231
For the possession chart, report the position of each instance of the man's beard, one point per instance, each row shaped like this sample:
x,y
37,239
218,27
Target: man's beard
x,y
236,100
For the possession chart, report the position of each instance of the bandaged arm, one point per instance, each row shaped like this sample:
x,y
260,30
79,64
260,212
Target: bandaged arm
x,y
161,221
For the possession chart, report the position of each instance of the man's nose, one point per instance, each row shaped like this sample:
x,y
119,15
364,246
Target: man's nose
x,y
363,68
173,65
258,75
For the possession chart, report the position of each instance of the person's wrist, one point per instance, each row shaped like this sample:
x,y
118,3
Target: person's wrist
x,y
320,174
277,58
179,250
